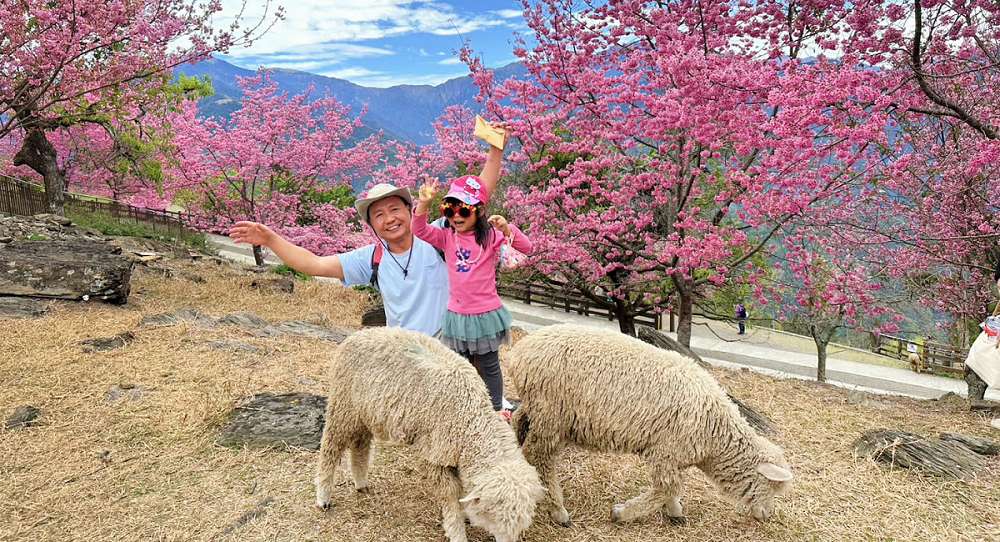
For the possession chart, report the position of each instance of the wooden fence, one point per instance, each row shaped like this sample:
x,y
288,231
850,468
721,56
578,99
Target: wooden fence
x,y
561,296
18,197
936,356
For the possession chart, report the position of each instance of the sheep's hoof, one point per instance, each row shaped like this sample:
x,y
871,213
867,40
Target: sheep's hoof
x,y
324,506
674,520
616,513
561,516
364,490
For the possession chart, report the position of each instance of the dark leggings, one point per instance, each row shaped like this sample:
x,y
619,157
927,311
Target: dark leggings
x,y
488,367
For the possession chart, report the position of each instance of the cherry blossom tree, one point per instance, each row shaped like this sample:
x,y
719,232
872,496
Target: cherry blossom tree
x,y
672,141
279,160
68,63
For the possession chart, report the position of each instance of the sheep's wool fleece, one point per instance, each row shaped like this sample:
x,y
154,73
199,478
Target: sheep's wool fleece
x,y
407,387
608,391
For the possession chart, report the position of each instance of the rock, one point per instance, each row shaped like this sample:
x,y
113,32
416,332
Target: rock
x,y
276,285
65,269
374,317
22,307
6,239
244,320
984,406
176,317
982,446
104,344
55,220
129,392
144,257
855,397
235,347
23,416
270,420
305,329
945,458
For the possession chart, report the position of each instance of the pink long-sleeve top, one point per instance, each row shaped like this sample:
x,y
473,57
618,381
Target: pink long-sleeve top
x,y
472,269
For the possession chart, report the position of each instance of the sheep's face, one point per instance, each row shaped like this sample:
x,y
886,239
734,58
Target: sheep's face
x,y
502,500
770,475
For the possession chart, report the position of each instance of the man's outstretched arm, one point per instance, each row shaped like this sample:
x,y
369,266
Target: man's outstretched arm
x,y
293,256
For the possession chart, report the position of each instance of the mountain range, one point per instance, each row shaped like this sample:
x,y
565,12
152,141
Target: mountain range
x,y
404,112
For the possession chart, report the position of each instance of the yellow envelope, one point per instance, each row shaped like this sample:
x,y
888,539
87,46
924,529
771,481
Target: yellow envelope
x,y
488,134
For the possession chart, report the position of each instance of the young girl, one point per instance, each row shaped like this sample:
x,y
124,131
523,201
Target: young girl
x,y
476,323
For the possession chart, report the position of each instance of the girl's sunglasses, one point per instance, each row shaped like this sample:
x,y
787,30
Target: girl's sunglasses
x,y
463,210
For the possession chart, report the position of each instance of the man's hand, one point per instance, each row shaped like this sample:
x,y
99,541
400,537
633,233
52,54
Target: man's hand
x,y
501,224
252,233
503,128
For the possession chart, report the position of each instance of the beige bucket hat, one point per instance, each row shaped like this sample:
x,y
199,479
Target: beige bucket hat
x,y
377,192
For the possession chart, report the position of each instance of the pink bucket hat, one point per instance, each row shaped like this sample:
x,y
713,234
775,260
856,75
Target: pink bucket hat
x,y
468,189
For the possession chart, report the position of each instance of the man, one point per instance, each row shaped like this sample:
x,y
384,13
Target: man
x,y
412,277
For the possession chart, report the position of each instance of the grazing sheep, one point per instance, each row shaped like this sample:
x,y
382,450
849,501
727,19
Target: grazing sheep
x,y
916,363
606,391
402,386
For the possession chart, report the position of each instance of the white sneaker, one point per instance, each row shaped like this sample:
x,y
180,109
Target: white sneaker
x,y
995,423
506,404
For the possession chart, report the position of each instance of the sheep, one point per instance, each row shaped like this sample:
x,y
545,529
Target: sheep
x,y
916,363
403,386
605,391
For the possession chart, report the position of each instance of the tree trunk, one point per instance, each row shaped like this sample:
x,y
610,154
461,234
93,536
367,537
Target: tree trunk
x,y
38,154
822,339
684,317
626,318
976,386
258,255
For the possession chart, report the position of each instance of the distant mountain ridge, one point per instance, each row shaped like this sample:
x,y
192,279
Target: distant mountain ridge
x,y
404,112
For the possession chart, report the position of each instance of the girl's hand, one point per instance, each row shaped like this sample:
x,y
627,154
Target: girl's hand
x,y
427,191
503,128
500,223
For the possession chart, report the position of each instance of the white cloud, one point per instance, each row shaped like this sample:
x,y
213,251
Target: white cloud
x,y
352,74
311,23
453,61
369,78
423,52
508,13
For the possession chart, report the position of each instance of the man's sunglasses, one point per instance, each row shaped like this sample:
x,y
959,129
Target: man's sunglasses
x,y
463,210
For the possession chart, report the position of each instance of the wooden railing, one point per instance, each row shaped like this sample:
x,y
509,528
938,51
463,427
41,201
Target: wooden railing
x,y
18,197
561,296
936,356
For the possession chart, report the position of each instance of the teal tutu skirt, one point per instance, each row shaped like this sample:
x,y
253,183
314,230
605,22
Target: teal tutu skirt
x,y
476,333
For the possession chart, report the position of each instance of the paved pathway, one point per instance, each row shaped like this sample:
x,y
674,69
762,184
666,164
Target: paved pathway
x,y
722,347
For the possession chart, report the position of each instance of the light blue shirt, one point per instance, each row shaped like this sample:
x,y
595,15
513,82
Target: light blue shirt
x,y
418,301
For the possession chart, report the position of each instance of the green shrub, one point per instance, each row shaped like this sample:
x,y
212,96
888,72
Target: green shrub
x,y
109,225
288,271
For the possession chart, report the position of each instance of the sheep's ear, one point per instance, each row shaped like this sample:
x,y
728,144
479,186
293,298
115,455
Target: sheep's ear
x,y
774,473
469,499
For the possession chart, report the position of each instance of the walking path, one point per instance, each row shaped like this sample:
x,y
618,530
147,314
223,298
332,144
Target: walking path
x,y
719,345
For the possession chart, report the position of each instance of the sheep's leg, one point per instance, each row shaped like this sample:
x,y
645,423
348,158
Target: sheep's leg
x,y
361,460
335,440
449,492
666,491
541,449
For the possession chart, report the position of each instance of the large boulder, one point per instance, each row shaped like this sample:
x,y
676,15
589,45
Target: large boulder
x,y
47,257
72,269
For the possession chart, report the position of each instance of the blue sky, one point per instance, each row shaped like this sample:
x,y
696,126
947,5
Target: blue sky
x,y
381,43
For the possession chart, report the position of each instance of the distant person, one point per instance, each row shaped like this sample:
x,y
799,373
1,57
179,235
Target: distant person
x,y
913,356
476,322
741,318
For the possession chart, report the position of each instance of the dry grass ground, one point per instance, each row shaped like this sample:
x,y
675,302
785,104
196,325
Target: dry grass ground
x,y
148,469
